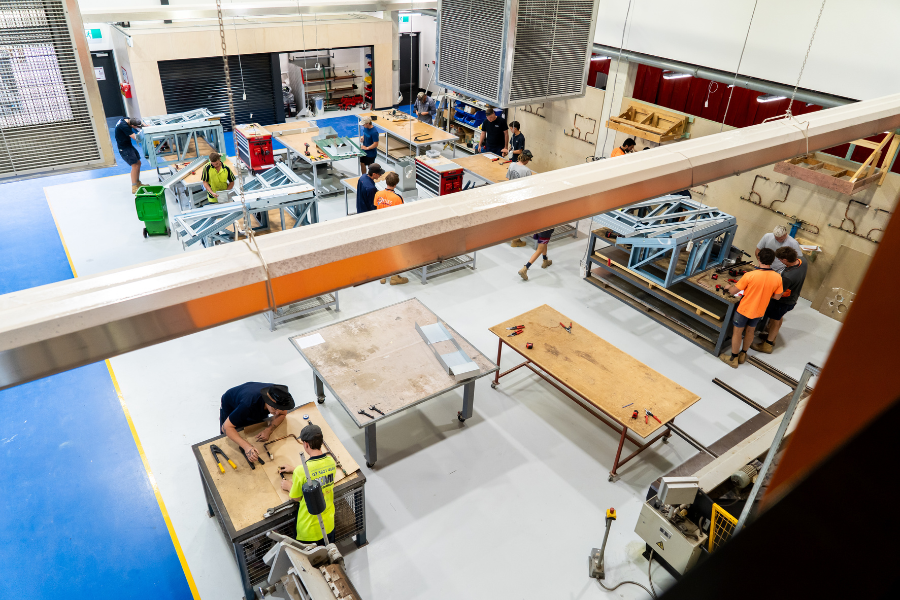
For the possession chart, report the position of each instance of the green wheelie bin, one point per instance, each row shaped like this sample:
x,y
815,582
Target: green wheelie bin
x,y
150,202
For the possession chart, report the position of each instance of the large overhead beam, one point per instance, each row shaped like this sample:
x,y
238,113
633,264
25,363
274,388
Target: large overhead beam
x,y
60,326
255,9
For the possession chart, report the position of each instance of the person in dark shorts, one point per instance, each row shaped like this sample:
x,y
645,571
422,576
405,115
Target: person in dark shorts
x,y
124,132
368,143
792,278
543,238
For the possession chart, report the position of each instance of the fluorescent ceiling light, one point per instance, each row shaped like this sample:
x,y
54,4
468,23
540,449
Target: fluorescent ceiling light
x,y
770,98
674,75
600,58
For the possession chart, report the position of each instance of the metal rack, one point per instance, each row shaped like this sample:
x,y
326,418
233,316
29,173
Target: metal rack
x,y
178,136
563,231
445,266
302,308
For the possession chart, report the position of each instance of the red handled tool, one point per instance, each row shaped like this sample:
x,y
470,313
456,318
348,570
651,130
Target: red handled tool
x,y
516,327
516,332
569,328
713,276
650,414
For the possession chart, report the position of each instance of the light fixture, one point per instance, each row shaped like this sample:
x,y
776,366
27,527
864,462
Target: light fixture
x,y
593,58
674,75
770,98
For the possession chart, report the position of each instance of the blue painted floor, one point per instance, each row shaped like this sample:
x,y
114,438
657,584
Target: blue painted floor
x,y
78,518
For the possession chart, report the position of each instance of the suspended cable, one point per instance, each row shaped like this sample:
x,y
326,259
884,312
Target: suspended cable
x,y
612,94
740,60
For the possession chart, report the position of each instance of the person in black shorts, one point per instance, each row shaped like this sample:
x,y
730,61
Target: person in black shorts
x,y
792,278
124,132
368,143
543,238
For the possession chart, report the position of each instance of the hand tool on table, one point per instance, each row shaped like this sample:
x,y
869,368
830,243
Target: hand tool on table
x,y
505,162
266,445
307,150
516,332
250,462
713,276
529,345
730,267
569,328
362,412
634,415
218,451
515,327
627,405
422,137
650,414
376,410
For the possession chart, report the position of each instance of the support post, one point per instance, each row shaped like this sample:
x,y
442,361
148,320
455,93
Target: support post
x,y
319,386
371,446
468,401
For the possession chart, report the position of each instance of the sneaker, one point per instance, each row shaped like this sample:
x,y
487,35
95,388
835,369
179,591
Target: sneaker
x,y
742,357
546,263
523,273
384,281
763,347
397,280
517,243
726,358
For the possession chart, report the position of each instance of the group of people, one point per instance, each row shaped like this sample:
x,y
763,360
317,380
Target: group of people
x,y
769,292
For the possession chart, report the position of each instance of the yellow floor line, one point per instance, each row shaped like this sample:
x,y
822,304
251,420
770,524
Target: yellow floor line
x,y
137,440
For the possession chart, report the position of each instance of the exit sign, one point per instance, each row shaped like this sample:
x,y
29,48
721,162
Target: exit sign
x,y
404,19
93,34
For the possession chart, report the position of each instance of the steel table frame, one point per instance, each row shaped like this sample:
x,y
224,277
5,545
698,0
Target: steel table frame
x,y
314,167
371,450
587,405
215,507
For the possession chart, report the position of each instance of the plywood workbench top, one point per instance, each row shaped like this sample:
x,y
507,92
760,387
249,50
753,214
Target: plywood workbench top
x,y
248,493
408,129
601,373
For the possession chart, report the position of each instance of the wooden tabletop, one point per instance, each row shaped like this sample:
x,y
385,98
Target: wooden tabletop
x,y
408,129
601,373
352,182
379,358
706,281
282,128
484,166
253,130
297,142
195,175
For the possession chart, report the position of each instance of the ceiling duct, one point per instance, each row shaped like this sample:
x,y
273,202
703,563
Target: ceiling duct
x,y
513,52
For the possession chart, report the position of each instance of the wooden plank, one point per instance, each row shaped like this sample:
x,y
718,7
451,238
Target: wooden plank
x,y
601,373
483,166
379,358
247,493
889,158
832,180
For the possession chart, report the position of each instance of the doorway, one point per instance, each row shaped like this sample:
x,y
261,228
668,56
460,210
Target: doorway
x,y
409,66
108,82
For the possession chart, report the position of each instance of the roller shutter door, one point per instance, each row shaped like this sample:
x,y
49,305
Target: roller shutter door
x,y
200,83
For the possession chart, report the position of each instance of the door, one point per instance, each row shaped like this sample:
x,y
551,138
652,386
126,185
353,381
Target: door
x,y
409,66
108,82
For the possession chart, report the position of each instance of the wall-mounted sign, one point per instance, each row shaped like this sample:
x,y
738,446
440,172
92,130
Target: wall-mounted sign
x,y
99,74
93,34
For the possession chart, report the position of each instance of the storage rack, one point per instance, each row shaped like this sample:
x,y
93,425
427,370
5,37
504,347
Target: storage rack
x,y
697,314
456,100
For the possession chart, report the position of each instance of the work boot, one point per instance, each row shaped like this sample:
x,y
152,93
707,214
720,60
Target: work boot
x,y
397,280
135,187
726,358
517,243
546,263
523,273
742,357
763,347
384,280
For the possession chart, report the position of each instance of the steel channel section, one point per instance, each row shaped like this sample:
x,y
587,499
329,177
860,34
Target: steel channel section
x,y
237,538
60,326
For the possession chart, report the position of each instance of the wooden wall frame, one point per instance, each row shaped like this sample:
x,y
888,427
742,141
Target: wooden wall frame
x,y
651,123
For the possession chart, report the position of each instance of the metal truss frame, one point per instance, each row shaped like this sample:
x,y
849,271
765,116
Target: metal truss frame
x,y
172,135
665,227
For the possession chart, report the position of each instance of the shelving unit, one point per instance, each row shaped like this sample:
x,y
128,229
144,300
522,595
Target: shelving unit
x,y
453,98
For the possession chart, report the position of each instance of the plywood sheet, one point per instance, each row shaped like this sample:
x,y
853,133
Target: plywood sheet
x,y
297,142
485,167
408,129
607,377
247,493
379,358
351,182
279,129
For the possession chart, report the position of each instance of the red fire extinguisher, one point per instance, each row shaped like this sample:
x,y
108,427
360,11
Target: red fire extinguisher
x,y
126,89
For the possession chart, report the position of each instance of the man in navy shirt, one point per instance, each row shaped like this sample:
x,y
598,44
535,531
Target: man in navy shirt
x,y
516,142
368,143
125,132
366,190
252,403
494,134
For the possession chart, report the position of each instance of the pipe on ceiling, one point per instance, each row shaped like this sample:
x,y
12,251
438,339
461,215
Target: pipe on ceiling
x,y
751,83
60,326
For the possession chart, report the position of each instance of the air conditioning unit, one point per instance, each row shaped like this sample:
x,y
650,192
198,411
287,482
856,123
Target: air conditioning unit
x,y
513,52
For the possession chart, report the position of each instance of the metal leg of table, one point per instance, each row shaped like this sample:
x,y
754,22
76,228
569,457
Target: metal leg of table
x,y
496,381
242,567
346,200
361,538
320,389
613,476
468,402
371,446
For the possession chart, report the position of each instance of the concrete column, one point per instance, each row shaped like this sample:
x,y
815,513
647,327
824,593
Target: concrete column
x,y
620,85
395,55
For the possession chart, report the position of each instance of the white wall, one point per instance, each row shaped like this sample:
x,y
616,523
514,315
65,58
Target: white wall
x,y
852,55
426,27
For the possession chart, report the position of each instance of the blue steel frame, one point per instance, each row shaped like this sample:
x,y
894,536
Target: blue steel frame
x,y
166,135
667,226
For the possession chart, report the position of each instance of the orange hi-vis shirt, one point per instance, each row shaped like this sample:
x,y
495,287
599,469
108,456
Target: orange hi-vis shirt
x,y
759,286
617,152
387,198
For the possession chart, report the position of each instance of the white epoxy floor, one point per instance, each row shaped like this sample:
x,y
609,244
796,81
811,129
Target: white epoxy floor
x,y
508,505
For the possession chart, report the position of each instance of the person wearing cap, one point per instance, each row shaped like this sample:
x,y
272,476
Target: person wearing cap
x,y
124,132
323,469
425,108
251,403
517,170
779,238
216,176
627,147
494,134
366,190
368,143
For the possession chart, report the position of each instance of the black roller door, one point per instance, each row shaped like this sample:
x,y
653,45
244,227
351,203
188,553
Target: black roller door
x,y
195,83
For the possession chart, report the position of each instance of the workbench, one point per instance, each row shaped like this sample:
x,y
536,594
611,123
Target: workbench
x,y
405,129
293,137
692,308
239,498
379,359
606,382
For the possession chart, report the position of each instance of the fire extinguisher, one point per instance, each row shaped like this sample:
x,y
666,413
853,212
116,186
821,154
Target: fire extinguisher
x,y
126,89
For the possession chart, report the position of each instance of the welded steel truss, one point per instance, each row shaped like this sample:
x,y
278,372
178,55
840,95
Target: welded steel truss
x,y
209,224
176,138
334,146
661,230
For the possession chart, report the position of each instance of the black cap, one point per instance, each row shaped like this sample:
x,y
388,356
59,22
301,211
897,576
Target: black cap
x,y
309,432
277,396
375,168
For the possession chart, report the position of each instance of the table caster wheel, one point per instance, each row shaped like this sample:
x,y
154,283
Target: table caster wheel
x,y
370,465
320,400
494,385
460,417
